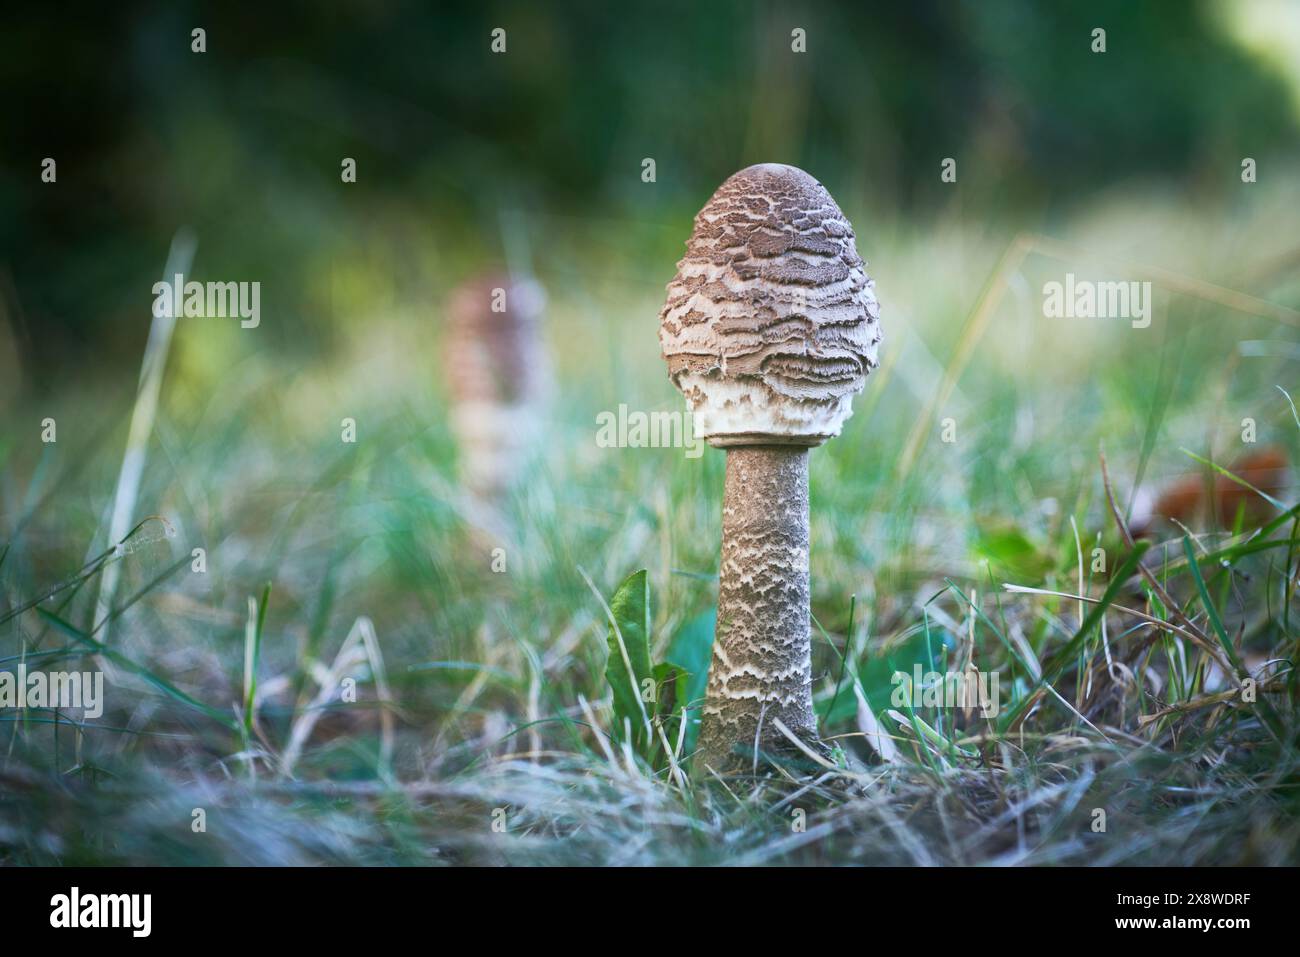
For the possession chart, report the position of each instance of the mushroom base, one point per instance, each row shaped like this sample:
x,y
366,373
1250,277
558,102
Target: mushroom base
x,y
761,674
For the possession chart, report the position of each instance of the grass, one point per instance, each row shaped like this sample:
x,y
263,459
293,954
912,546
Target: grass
x,y
349,681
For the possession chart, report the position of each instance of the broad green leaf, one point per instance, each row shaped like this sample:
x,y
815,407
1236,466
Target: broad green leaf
x,y
1009,550
690,652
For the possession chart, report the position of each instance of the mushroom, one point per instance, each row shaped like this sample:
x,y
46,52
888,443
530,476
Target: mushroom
x,y
498,377
770,328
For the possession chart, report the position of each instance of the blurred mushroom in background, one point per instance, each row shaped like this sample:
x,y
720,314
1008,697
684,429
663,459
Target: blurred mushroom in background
x,y
498,376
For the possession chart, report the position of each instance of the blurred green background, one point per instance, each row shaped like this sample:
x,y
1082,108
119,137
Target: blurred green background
x,y
466,157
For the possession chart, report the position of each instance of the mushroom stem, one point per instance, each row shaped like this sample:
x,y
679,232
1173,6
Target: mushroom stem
x,y
762,667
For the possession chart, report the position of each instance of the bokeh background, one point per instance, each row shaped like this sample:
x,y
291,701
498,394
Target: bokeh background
x,y
462,152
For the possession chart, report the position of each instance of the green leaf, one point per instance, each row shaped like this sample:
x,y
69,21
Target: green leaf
x,y
628,668
690,652
1010,550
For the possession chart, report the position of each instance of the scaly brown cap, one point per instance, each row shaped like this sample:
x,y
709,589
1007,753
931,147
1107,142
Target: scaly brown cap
x,y
771,323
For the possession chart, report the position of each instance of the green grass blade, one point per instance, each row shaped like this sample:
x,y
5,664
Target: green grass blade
x,y
122,661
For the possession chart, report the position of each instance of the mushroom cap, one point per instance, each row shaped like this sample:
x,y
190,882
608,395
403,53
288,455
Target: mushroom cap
x,y
771,324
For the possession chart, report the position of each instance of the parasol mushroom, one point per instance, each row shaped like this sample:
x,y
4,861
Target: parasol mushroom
x,y
769,330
